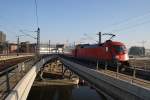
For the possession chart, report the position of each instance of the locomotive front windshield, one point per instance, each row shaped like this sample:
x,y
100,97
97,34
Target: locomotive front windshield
x,y
119,48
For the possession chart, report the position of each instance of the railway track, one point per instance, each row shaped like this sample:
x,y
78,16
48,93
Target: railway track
x,y
4,64
130,71
140,63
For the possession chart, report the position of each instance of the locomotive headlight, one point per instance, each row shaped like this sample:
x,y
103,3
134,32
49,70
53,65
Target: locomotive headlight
x,y
126,57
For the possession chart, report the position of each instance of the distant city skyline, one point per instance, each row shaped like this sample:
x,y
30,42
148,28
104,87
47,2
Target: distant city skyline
x,y
70,20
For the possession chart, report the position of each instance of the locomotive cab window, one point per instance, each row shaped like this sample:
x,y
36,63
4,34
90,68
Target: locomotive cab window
x,y
119,48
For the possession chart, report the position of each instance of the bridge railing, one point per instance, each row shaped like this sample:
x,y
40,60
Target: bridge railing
x,y
11,76
22,89
132,78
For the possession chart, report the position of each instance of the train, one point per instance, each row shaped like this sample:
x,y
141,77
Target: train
x,y
110,53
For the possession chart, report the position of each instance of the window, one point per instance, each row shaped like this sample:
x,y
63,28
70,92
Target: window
x,y
119,48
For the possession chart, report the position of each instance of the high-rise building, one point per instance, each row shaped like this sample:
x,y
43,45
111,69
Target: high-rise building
x,y
2,37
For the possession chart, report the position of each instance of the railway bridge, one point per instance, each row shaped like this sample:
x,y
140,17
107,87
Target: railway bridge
x,y
113,85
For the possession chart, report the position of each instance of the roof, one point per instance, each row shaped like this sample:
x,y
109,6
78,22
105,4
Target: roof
x,y
98,45
113,42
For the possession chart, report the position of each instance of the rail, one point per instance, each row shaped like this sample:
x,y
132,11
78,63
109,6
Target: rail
x,y
7,57
143,64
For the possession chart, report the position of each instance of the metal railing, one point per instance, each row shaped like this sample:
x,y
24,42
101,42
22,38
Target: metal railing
x,y
130,78
12,75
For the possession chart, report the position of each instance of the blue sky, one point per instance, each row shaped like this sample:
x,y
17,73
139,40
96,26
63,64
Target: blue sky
x,y
62,20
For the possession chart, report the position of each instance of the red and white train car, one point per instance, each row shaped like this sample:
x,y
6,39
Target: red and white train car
x,y
109,52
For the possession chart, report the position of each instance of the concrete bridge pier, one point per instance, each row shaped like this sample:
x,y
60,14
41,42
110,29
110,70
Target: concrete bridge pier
x,y
66,70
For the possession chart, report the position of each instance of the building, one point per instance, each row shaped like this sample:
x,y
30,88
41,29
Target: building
x,y
45,49
147,52
3,43
60,48
24,47
137,51
32,48
12,48
27,47
2,37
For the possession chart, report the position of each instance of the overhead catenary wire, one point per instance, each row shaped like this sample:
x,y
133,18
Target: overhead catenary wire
x,y
127,21
130,27
4,28
36,13
26,34
135,18
89,37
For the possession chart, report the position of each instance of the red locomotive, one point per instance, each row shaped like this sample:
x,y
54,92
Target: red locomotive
x,y
109,52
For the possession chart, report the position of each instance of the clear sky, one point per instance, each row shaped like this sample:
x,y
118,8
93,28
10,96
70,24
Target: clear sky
x,y
62,20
